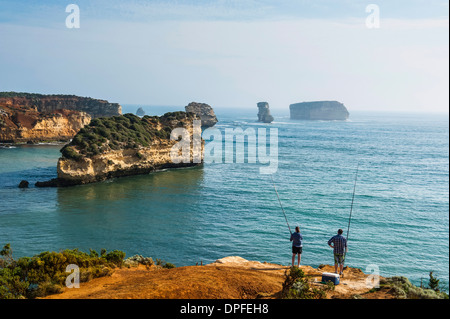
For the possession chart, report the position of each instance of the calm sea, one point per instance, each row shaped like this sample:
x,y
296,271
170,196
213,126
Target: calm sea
x,y
400,219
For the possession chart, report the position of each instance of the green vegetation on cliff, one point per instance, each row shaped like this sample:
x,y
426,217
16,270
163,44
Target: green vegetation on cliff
x,y
404,289
29,95
121,132
297,286
45,273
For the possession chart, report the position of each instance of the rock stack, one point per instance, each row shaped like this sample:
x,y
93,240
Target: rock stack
x,y
264,113
204,111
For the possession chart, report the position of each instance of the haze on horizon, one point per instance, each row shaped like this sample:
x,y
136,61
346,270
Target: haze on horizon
x,y
230,53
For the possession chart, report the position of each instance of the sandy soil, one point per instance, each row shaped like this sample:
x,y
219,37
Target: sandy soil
x,y
228,278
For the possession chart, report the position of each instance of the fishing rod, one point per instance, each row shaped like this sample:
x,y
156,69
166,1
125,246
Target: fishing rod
x,y
351,207
280,204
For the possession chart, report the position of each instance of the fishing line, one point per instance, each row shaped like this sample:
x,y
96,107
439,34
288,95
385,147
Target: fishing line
x,y
351,208
353,198
280,204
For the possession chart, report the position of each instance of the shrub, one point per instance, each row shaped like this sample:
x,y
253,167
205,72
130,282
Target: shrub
x,y
70,153
296,286
404,289
169,265
45,273
433,282
115,257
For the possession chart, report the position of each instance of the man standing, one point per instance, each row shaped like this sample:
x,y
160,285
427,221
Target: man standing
x,y
296,239
339,248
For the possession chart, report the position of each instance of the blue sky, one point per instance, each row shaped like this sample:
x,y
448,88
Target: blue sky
x,y
231,53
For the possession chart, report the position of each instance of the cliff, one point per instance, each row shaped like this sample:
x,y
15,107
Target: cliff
x,y
121,146
204,111
51,103
236,278
29,117
319,110
26,124
264,113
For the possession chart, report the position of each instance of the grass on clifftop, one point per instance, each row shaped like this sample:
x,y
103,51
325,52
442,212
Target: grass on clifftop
x,y
121,132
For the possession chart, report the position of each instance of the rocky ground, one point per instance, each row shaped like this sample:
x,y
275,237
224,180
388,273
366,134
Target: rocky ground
x,y
227,278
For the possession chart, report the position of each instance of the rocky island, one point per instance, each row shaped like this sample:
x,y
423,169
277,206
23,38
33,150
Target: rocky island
x,y
121,146
29,117
319,110
204,111
140,112
264,113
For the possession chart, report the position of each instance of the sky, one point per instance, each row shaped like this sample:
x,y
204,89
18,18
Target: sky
x,y
232,53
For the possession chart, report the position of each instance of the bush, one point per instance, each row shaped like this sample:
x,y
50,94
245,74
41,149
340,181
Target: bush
x,y
70,153
433,283
296,286
45,273
404,289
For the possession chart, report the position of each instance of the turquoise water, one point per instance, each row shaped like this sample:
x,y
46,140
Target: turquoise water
x,y
400,216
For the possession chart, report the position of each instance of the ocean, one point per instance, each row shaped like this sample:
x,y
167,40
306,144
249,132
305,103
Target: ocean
x,y
400,215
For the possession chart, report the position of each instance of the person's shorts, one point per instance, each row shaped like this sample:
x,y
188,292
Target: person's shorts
x,y
296,250
339,258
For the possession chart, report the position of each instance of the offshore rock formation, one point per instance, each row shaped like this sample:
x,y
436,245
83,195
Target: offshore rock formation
x,y
50,103
204,111
121,146
264,113
140,112
319,110
28,117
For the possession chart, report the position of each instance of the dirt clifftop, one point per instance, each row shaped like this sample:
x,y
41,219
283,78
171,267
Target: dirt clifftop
x,y
227,278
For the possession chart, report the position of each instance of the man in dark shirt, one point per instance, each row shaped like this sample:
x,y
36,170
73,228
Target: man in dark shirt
x,y
297,245
339,249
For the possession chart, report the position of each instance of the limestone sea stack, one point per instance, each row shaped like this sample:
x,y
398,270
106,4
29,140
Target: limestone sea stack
x,y
319,110
29,117
264,113
204,111
121,146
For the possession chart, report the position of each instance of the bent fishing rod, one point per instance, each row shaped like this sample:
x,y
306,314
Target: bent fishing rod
x,y
280,204
351,207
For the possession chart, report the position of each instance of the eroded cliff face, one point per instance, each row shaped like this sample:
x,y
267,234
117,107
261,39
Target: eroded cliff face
x,y
140,146
25,124
51,103
29,117
319,110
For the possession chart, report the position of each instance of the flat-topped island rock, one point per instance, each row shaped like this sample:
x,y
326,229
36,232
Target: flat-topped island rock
x,y
319,110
